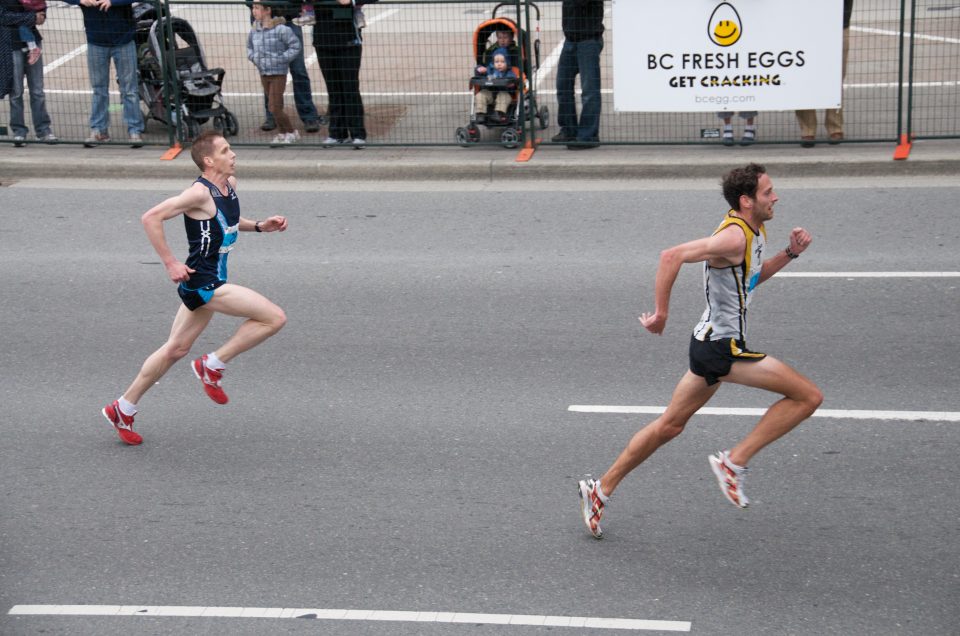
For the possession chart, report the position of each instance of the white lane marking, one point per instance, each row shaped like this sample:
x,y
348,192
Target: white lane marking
x,y
919,36
63,59
867,274
909,416
591,622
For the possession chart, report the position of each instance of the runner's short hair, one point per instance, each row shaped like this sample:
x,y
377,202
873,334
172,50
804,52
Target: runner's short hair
x,y
742,181
203,146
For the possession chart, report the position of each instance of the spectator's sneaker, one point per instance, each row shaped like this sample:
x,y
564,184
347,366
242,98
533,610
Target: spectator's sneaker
x,y
330,141
33,55
293,137
730,478
359,144
49,138
591,506
311,125
282,139
136,140
562,138
123,424
19,141
727,137
96,138
268,125
211,380
749,137
501,117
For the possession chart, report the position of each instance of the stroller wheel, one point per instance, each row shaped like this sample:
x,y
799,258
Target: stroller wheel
x,y
233,126
191,129
219,125
544,117
510,137
463,137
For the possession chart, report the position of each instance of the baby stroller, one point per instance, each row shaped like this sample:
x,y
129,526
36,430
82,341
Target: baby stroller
x,y
523,104
196,90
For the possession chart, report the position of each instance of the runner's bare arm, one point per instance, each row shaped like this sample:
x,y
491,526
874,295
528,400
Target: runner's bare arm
x,y
800,240
190,200
274,223
723,248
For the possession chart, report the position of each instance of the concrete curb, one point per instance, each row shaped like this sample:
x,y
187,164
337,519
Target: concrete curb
x,y
482,164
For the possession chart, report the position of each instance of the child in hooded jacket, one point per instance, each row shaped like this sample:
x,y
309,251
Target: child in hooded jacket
x,y
498,69
271,46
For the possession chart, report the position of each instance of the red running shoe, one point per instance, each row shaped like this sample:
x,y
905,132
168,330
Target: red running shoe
x,y
211,380
123,424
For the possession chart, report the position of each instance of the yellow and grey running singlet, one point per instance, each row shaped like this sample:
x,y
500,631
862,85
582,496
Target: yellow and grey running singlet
x,y
728,289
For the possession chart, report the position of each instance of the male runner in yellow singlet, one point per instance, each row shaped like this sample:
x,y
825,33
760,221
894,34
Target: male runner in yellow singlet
x,y
734,265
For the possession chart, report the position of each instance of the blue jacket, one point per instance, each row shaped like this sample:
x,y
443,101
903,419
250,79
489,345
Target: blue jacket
x,y
272,46
113,27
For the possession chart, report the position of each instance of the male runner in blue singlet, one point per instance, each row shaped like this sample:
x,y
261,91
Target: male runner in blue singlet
x,y
733,258
211,215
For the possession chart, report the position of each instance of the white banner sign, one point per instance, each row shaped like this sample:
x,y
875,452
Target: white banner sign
x,y
741,55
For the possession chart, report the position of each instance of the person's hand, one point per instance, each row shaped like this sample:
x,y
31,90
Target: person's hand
x,y
179,272
274,224
41,17
481,70
104,5
800,240
653,322
89,3
344,2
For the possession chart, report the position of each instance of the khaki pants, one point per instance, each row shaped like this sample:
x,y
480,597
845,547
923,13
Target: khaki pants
x,y
501,100
833,117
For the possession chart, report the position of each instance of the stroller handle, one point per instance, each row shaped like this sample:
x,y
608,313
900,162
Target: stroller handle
x,y
513,4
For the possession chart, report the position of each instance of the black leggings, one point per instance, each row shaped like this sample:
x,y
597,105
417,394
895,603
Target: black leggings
x,y
341,73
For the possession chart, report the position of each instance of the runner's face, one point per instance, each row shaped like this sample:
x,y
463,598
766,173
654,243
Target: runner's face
x,y
766,197
224,158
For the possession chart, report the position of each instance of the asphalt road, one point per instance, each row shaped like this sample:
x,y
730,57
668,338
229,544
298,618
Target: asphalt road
x,y
405,444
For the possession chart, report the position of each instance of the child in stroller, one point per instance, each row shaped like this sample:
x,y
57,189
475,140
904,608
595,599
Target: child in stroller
x,y
496,93
502,93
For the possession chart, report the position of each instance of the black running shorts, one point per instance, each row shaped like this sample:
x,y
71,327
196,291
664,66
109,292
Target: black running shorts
x,y
194,298
712,359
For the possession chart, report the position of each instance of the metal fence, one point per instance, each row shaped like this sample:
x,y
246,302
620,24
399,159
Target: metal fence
x,y
902,77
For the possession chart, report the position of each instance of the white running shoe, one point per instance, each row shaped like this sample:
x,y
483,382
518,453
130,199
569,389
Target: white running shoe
x,y
591,506
730,477
358,144
329,142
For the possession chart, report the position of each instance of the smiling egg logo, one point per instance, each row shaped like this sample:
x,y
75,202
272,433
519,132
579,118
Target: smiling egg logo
x,y
725,27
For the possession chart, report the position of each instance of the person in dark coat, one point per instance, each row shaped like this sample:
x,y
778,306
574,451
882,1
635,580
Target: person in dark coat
x,y
339,46
10,20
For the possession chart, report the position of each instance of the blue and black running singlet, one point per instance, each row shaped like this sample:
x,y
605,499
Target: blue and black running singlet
x,y
210,243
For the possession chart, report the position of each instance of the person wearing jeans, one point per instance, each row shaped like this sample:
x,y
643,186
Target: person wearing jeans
x,y
110,30
580,55
34,76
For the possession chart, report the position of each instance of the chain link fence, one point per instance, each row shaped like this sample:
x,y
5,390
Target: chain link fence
x,y
418,58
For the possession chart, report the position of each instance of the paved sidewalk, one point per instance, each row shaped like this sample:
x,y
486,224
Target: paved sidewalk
x,y
937,157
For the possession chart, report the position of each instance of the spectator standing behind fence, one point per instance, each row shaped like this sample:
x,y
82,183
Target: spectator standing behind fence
x,y
302,91
498,69
29,36
580,55
271,46
110,29
11,18
339,45
833,117
33,72
749,128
